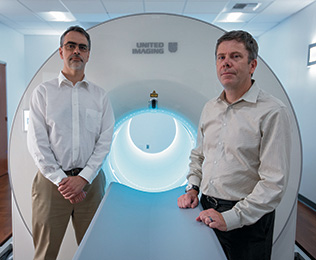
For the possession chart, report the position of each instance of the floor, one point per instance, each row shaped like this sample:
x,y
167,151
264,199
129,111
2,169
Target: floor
x,y
5,209
305,230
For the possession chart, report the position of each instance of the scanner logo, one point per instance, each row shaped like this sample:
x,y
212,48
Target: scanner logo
x,y
172,47
154,47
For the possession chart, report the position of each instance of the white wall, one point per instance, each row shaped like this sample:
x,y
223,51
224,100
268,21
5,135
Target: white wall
x,y
284,48
12,53
23,55
37,50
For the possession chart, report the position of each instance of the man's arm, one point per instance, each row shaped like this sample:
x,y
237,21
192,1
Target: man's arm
x,y
38,141
273,171
190,199
102,144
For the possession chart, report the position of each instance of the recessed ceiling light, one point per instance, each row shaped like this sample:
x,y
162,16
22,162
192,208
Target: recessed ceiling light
x,y
53,16
233,17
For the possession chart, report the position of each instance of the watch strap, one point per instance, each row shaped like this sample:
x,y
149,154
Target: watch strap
x,y
192,187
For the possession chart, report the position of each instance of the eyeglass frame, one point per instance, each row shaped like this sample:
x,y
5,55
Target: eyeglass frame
x,y
82,47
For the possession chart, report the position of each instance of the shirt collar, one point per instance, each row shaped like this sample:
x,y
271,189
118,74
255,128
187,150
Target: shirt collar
x,y
250,96
62,79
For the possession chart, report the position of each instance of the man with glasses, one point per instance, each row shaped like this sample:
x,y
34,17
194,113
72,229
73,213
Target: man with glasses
x,y
241,161
70,133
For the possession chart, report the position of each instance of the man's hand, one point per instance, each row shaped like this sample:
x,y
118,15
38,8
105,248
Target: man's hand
x,y
80,197
188,200
213,219
71,186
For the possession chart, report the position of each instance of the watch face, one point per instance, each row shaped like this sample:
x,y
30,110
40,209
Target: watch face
x,y
189,187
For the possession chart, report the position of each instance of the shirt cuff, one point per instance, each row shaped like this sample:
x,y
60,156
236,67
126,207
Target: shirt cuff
x,y
232,219
194,180
88,174
56,177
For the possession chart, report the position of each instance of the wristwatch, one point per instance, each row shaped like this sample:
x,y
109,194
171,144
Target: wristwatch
x,y
191,186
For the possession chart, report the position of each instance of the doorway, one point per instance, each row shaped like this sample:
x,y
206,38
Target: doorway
x,y
3,122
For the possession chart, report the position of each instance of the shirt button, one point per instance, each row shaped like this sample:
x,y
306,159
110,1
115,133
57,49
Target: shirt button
x,y
215,162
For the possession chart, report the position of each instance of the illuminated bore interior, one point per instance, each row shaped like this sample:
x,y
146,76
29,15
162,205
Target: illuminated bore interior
x,y
150,150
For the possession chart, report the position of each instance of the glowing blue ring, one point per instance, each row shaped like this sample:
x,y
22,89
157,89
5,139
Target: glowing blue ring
x,y
152,172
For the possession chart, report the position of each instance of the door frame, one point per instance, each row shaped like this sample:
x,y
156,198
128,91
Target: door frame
x,y
3,121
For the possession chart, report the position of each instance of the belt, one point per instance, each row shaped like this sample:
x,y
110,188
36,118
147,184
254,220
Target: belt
x,y
73,172
219,202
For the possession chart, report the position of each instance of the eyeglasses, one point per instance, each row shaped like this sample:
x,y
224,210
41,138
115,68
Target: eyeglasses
x,y
71,46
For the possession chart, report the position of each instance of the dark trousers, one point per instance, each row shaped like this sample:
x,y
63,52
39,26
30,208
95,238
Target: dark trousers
x,y
253,242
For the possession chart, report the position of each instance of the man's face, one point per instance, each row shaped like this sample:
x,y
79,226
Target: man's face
x,y
233,70
75,51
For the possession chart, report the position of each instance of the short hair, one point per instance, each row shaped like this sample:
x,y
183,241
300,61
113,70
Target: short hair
x,y
244,37
75,28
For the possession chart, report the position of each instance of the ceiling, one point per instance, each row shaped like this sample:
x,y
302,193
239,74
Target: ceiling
x,y
32,17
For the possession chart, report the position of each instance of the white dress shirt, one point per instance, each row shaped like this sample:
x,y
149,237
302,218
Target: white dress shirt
x,y
69,127
243,154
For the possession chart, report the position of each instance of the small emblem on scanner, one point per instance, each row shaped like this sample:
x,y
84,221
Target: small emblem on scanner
x,y
172,46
